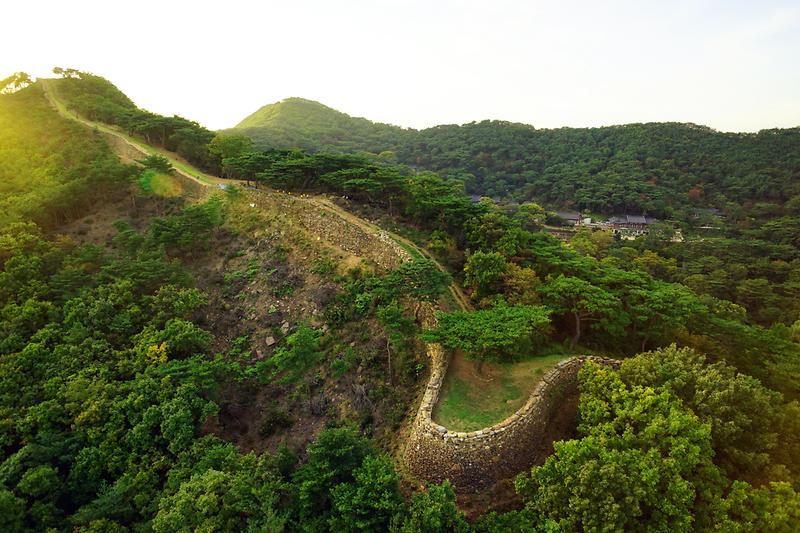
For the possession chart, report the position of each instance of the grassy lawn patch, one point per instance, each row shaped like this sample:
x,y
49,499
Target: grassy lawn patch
x,y
159,184
472,400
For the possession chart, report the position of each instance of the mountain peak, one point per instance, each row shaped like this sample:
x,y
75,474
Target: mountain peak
x,y
292,109
300,123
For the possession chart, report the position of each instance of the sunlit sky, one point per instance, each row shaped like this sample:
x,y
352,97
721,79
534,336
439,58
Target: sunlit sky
x,y
731,65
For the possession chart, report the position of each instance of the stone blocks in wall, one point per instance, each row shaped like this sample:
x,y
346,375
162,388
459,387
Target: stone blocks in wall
x,y
476,460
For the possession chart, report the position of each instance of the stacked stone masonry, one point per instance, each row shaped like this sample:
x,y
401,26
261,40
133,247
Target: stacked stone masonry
x,y
475,460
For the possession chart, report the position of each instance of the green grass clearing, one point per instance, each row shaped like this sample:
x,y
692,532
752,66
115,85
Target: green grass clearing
x,y
471,400
159,184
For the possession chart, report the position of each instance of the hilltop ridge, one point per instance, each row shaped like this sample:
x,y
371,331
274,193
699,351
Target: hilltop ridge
x,y
307,124
302,108
659,168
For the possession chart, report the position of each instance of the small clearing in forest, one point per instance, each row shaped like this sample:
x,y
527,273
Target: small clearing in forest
x,y
471,399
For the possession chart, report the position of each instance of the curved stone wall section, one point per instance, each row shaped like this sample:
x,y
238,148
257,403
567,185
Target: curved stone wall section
x,y
475,460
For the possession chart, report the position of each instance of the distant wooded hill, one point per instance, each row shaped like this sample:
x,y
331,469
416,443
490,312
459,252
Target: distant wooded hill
x,y
309,125
655,168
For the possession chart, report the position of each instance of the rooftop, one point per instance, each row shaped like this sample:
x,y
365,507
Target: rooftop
x,y
568,215
631,219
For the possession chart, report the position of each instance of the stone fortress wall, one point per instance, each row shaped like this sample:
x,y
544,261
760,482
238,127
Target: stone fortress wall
x,y
476,460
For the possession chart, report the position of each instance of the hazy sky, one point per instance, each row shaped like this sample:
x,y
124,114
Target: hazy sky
x,y
731,65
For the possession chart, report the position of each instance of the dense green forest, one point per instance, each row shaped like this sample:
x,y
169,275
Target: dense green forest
x,y
661,169
602,298
657,169
747,254
309,125
109,382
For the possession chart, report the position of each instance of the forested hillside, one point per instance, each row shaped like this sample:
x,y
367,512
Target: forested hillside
x,y
747,252
95,98
309,125
660,169
50,169
238,363
657,169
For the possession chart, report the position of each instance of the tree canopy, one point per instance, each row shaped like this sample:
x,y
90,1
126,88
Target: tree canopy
x,y
500,332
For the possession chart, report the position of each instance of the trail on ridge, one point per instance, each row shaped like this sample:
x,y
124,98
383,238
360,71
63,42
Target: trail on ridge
x,y
188,171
